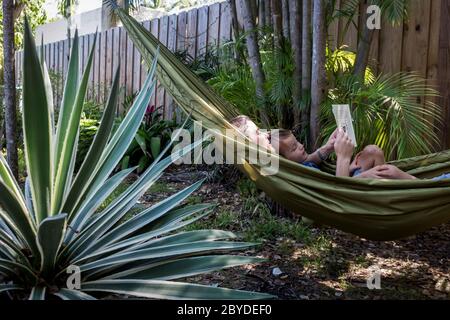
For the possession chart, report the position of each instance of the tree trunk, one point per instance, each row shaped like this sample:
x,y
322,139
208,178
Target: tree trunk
x,y
268,12
235,26
109,19
261,14
282,107
255,59
296,41
306,64
10,86
285,13
254,9
277,23
362,55
18,8
318,79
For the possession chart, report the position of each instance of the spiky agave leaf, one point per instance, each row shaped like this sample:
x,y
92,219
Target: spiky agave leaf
x,y
60,225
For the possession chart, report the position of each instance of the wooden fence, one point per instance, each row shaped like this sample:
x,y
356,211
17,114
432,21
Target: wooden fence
x,y
195,31
420,44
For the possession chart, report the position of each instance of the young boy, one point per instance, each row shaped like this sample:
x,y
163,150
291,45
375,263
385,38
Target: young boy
x,y
339,142
288,146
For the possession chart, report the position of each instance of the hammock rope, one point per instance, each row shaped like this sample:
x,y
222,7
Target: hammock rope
x,y
373,209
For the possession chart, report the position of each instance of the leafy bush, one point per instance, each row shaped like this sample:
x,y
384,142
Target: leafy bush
x,y
88,130
388,111
204,65
152,137
56,233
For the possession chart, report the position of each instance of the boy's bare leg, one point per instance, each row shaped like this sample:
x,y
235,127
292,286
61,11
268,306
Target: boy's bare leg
x,y
386,171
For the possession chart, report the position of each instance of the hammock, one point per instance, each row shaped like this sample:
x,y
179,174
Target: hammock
x,y
373,209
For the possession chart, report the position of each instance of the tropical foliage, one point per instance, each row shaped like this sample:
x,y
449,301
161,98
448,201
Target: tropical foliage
x,y
56,230
388,111
384,107
152,137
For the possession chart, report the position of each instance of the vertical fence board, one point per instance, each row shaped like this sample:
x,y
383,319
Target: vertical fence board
x,y
46,55
123,66
155,31
202,31
94,68
390,55
181,32
374,55
415,37
136,69
82,58
51,53
102,68
143,63
181,43
192,32
85,53
433,53
415,40
163,32
444,70
172,46
333,29
91,72
116,60
130,66
214,27
225,23
109,60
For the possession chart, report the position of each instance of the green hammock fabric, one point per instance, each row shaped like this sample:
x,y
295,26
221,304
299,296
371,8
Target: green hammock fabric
x,y
373,209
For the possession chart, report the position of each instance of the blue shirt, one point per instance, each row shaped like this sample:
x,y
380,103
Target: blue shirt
x,y
442,177
310,165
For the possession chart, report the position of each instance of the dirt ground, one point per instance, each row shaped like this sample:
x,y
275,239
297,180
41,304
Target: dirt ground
x,y
307,262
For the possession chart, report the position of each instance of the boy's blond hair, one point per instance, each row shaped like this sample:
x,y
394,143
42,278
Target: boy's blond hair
x,y
277,136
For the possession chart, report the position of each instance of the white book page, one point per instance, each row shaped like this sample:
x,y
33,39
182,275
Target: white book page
x,y
344,120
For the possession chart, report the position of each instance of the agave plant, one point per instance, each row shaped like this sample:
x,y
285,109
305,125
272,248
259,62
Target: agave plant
x,y
56,238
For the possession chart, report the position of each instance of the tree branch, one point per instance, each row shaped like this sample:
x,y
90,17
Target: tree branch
x,y
19,5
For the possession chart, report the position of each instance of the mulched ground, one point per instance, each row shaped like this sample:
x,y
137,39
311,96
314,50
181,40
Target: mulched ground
x,y
334,265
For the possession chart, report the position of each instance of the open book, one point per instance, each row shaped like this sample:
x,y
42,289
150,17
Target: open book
x,y
344,120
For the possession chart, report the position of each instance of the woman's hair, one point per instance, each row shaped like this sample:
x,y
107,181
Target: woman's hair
x,y
240,122
277,136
